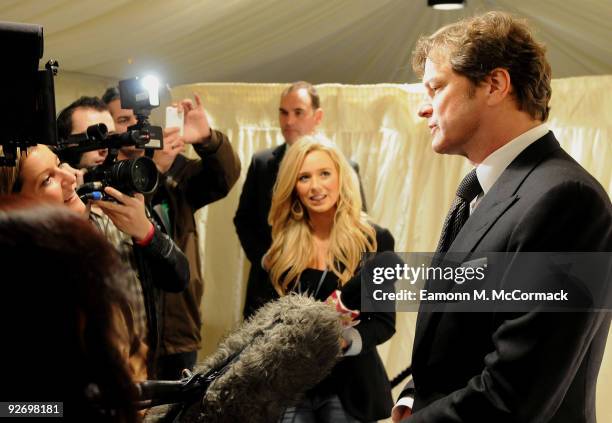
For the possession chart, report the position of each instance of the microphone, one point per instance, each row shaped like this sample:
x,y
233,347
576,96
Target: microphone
x,y
94,195
90,191
262,367
351,292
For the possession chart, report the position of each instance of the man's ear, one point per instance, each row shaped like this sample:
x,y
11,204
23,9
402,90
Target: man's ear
x,y
499,85
318,115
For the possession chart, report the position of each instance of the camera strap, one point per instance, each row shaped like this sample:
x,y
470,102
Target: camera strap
x,y
163,213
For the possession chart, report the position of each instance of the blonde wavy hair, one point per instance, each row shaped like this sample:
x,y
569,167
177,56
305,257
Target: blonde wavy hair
x,y
292,247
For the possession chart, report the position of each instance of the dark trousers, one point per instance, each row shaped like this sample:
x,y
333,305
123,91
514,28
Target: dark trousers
x,y
318,409
170,367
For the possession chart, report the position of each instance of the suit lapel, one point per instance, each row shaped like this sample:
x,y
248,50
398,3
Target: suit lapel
x,y
271,171
503,194
500,198
274,162
277,155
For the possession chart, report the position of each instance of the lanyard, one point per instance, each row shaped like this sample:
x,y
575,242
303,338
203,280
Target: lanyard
x,y
318,285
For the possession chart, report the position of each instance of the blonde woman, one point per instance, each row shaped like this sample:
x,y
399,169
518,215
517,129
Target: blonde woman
x,y
37,173
319,233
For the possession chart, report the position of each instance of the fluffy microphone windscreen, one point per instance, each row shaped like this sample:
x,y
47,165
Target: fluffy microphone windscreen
x,y
287,347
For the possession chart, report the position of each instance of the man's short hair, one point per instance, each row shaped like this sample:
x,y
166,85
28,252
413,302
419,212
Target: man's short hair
x,y
315,101
64,119
64,124
111,94
475,46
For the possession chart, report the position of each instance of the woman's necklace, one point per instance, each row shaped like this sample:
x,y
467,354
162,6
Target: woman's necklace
x,y
301,291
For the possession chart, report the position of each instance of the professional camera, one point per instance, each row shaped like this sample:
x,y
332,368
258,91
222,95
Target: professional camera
x,y
27,103
128,176
142,96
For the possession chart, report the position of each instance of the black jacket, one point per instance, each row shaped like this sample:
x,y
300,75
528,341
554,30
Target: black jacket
x,y
529,366
156,267
162,267
187,186
360,381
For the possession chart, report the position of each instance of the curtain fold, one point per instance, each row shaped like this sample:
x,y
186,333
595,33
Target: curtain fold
x,y
408,187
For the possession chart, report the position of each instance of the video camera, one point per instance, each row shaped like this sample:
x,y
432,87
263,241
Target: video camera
x,y
27,106
27,103
128,176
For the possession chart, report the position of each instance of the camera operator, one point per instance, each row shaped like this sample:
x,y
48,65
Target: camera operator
x,y
186,185
157,262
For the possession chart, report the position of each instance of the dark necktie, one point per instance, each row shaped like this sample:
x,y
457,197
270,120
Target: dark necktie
x,y
459,212
469,188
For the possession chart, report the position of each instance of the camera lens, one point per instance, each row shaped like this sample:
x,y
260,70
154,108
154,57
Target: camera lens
x,y
143,175
137,175
128,176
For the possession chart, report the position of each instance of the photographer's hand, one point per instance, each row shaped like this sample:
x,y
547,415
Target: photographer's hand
x,y
196,127
174,144
128,214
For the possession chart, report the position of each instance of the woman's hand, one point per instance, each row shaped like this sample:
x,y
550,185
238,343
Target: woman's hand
x,y
343,344
400,412
348,317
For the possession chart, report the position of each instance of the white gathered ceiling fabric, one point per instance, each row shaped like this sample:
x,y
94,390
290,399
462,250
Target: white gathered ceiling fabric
x,y
322,41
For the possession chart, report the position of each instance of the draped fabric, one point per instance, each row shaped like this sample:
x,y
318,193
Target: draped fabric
x,y
346,41
408,187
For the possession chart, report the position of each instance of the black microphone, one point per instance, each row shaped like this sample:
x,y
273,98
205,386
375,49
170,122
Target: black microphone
x,y
90,191
262,367
351,292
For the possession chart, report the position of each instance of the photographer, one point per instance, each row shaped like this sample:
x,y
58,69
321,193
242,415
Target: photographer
x,y
157,262
186,185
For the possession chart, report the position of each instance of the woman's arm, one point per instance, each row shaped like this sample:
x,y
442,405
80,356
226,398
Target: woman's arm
x,y
169,267
373,328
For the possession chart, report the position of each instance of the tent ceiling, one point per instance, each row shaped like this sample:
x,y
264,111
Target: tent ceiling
x,y
345,41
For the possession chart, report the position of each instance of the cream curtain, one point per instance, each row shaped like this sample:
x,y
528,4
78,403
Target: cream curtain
x,y
408,188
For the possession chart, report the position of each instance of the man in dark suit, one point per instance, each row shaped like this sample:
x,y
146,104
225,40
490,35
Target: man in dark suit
x,y
488,82
299,114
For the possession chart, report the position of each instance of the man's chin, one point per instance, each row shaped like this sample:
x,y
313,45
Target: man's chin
x,y
439,146
448,149
443,146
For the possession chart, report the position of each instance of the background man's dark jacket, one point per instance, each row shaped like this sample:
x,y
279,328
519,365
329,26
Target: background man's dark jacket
x,y
189,185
